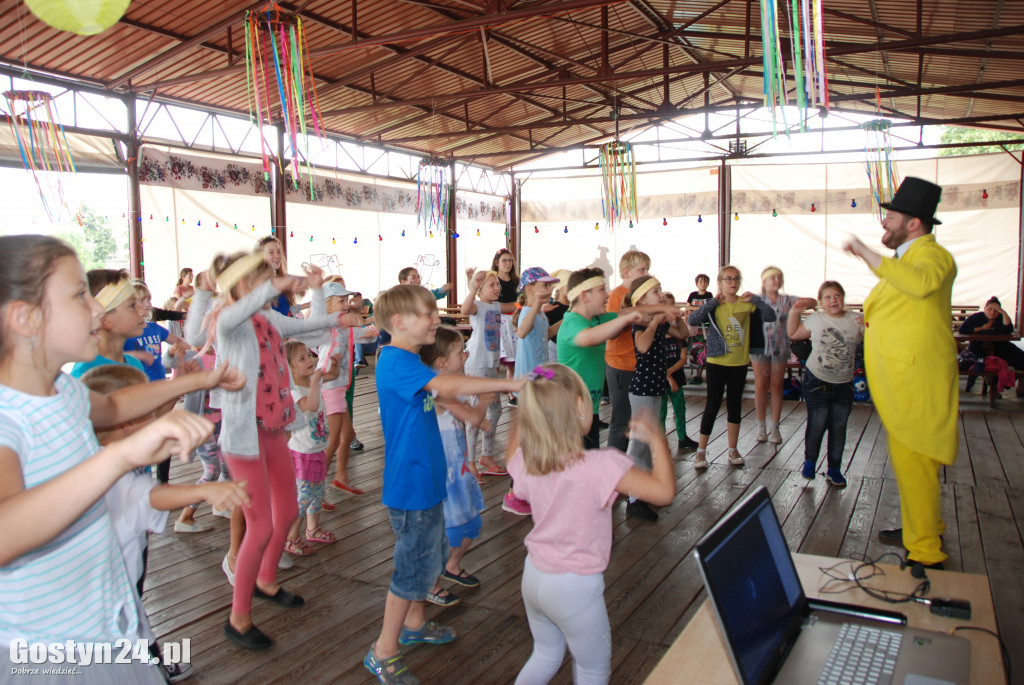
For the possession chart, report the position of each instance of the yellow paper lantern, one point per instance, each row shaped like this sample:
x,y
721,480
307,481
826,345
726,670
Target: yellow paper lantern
x,y
84,17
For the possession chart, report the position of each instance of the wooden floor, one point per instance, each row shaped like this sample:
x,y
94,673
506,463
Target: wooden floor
x,y
652,583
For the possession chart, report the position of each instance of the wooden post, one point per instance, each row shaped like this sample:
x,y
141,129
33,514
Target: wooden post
x,y
513,222
724,212
1020,256
278,217
451,243
135,252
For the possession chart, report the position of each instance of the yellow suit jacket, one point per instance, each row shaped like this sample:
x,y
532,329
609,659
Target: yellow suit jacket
x,y
909,351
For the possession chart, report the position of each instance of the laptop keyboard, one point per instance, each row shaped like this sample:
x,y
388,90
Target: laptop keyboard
x,y
862,655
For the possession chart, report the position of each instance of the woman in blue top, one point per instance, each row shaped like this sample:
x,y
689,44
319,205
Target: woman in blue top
x,y
273,254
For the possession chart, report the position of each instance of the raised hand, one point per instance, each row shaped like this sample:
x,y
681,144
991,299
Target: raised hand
x,y
226,376
178,432
644,428
314,275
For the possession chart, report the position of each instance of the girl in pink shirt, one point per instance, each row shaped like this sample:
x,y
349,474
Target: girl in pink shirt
x,y
572,492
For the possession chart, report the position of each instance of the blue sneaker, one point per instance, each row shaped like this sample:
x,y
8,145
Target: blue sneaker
x,y
808,471
429,633
835,477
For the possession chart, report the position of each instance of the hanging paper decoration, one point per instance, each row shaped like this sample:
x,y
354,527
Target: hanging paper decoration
x,y
807,47
83,18
278,67
43,147
880,163
618,187
433,195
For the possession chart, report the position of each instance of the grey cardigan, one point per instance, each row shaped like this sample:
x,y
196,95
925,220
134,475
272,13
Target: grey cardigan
x,y
706,315
236,342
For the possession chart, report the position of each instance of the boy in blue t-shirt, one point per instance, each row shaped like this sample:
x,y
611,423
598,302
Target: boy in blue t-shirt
x,y
414,470
147,347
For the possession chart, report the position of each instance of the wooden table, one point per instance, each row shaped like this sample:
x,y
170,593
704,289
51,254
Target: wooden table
x,y
980,337
699,654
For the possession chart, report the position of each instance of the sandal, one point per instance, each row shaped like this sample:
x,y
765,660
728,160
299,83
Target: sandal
x,y
429,633
443,598
327,506
494,471
320,535
390,671
298,548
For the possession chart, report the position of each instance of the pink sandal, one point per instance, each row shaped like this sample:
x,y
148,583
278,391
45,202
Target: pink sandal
x,y
320,535
298,548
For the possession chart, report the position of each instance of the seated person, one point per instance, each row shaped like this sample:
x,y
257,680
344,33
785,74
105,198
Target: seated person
x,y
992,320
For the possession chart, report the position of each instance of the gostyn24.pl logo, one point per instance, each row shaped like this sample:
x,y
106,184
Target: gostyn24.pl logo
x,y
29,656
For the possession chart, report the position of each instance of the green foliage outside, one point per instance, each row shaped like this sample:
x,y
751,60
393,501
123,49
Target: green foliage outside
x,y
960,134
94,240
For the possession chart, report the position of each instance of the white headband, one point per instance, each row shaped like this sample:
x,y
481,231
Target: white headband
x,y
594,282
648,285
114,294
238,270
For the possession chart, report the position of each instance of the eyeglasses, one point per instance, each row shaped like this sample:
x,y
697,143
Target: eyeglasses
x,y
731,279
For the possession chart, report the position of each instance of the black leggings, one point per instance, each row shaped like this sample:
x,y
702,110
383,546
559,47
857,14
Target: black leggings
x,y
723,379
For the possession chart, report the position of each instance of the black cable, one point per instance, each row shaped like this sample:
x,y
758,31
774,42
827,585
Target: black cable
x,y
857,576
1002,647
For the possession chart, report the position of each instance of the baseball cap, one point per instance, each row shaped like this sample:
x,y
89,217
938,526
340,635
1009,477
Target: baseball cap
x,y
335,289
533,275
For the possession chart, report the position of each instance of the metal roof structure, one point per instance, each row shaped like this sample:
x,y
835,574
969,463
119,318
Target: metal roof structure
x,y
498,83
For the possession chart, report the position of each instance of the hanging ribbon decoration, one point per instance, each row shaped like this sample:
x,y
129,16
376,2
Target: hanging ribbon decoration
x,y
618,183
277,64
433,195
807,43
43,147
880,163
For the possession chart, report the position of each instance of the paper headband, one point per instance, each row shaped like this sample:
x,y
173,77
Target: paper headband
x,y
238,270
647,286
595,282
114,294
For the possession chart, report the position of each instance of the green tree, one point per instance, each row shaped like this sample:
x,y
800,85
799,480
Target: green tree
x,y
961,134
93,241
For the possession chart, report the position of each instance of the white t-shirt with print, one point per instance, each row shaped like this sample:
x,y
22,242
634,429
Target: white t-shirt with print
x,y
485,342
833,345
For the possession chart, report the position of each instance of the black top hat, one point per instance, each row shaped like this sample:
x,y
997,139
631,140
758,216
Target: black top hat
x,y
918,198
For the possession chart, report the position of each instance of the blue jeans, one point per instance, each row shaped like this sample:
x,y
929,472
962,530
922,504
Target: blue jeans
x,y
421,551
828,408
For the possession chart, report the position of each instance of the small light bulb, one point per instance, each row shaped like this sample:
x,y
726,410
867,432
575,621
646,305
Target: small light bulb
x,y
664,222
774,213
813,208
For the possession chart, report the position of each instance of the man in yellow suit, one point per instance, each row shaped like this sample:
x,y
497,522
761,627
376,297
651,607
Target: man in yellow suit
x,y
910,359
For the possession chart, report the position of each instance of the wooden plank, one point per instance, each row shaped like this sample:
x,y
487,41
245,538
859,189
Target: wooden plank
x,y
652,587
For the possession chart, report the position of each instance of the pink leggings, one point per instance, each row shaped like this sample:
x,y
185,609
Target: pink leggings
x,y
273,507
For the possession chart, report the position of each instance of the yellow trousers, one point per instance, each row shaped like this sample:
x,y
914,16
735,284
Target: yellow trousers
x,y
917,476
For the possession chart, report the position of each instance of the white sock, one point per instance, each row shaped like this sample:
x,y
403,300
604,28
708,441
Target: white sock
x,y
760,425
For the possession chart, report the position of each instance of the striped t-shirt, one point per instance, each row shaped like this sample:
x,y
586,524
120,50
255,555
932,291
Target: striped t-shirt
x,y
74,586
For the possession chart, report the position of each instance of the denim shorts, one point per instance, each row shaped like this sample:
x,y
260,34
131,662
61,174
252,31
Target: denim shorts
x,y
420,551
470,529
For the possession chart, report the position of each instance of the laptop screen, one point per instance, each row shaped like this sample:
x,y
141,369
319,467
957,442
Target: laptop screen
x,y
753,585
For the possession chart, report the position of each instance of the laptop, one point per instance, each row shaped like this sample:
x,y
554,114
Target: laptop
x,y
775,634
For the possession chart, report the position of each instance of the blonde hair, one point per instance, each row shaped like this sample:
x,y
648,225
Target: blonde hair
x,y
548,419
631,259
728,267
293,348
401,300
110,378
222,261
771,271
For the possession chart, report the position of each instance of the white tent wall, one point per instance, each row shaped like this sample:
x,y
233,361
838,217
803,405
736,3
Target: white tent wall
x,y
686,199
352,226
982,234
184,233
